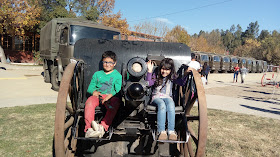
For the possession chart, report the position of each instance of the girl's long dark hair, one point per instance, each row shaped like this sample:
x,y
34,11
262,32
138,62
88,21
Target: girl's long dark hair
x,y
166,63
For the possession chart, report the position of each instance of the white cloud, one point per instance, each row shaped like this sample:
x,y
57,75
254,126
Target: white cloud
x,y
163,20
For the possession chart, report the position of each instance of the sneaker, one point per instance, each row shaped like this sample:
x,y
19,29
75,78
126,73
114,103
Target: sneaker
x,y
94,125
162,136
172,135
100,131
90,133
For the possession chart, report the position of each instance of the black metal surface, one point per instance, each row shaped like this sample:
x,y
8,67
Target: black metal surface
x,y
90,51
131,123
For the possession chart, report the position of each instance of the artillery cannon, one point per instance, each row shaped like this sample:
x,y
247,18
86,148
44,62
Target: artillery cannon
x,y
134,127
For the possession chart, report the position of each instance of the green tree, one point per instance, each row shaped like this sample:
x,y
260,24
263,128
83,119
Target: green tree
x,y
91,9
228,39
53,9
251,32
232,29
270,48
264,34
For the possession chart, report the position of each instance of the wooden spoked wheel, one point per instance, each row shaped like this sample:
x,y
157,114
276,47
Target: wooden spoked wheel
x,y
64,142
195,117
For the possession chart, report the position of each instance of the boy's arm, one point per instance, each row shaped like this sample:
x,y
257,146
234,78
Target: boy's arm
x,y
92,85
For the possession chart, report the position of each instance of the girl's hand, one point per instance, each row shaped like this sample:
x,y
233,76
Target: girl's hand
x,y
150,66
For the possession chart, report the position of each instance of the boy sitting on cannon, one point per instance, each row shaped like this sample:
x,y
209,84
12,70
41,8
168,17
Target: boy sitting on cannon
x,y
103,86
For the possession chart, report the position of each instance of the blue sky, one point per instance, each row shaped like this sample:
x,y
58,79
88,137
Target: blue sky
x,y
196,15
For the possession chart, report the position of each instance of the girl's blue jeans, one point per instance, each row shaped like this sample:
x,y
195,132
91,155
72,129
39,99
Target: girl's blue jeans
x,y
235,75
165,105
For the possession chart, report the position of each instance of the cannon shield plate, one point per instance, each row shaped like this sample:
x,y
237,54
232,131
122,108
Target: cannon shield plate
x,y
90,51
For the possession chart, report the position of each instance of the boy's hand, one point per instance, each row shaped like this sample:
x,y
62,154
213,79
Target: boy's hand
x,y
109,96
96,93
150,66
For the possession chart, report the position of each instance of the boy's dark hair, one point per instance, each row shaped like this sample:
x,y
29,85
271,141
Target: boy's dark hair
x,y
192,56
109,54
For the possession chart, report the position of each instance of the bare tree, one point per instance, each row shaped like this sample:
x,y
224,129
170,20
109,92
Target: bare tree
x,y
156,28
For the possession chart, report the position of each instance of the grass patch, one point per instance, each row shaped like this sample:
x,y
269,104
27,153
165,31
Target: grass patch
x,y
28,131
234,134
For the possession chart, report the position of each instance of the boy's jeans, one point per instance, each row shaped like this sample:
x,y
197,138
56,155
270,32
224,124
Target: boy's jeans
x,y
112,108
165,105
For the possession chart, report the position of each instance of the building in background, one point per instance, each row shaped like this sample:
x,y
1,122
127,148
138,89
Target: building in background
x,y
19,48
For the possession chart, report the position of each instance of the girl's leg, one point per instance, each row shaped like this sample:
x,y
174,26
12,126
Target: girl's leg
x,y
170,108
91,103
161,113
242,78
112,109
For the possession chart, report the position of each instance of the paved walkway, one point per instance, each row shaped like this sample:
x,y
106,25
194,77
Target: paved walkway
x,y
24,85
248,105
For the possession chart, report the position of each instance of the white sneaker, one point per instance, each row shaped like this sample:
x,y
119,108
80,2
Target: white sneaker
x,y
90,133
94,125
100,131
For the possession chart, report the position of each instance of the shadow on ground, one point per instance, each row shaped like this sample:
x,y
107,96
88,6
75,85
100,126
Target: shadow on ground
x,y
261,109
260,100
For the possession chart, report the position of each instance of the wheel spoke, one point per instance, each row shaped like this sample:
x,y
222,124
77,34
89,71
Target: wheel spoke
x,y
70,110
66,140
194,137
69,123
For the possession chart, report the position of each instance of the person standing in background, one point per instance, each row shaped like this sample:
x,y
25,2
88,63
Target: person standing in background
x,y
194,64
236,71
205,71
243,72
